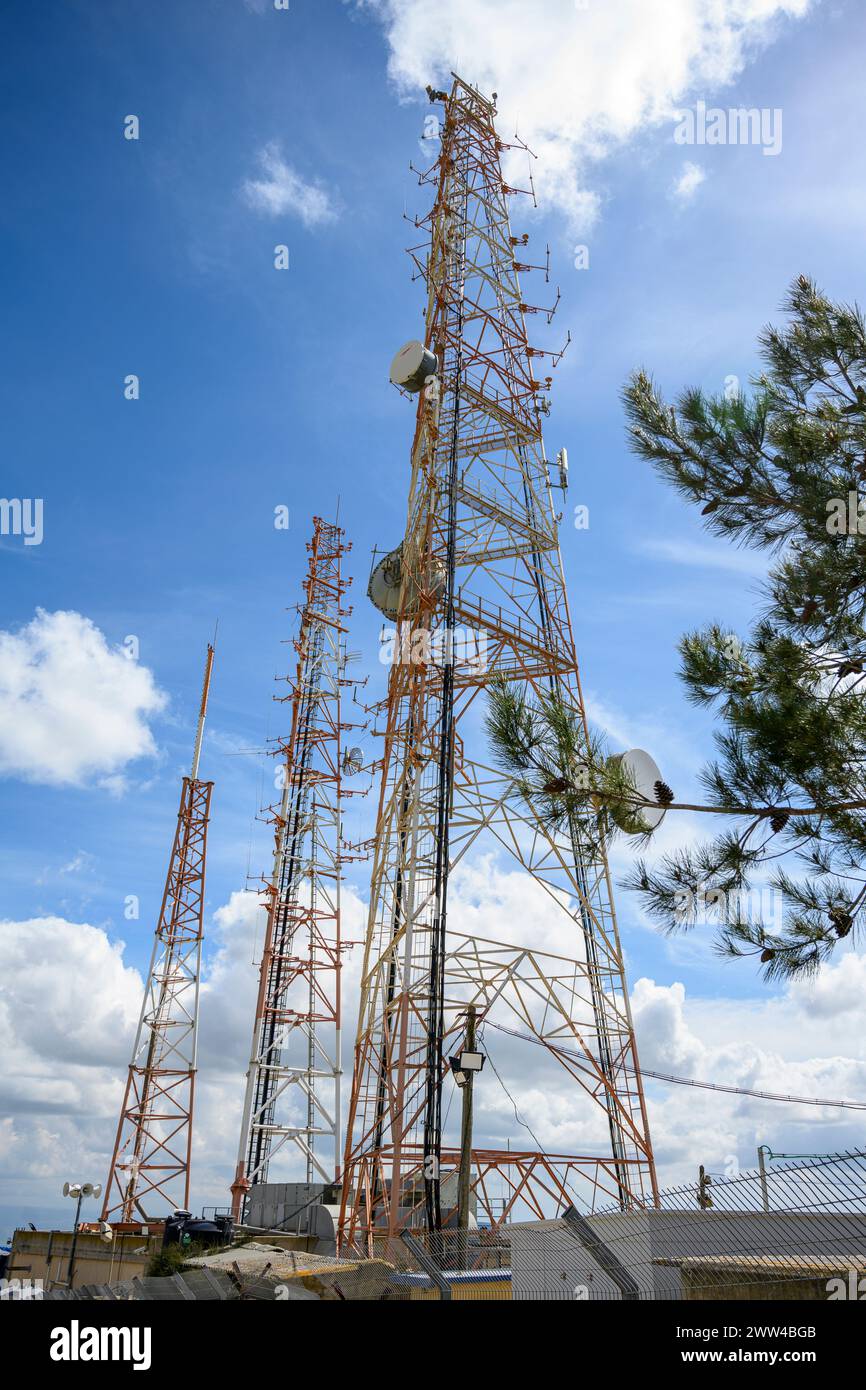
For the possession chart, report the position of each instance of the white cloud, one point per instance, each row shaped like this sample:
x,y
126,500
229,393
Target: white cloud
x,y
688,183
79,861
781,1044
583,79
282,190
66,995
72,709
837,993
702,556
68,1007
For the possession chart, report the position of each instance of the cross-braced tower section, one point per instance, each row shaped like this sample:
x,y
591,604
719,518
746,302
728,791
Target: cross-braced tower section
x,y
149,1175
292,1097
477,592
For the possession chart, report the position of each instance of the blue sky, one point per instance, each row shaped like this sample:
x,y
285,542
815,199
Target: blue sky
x,y
261,387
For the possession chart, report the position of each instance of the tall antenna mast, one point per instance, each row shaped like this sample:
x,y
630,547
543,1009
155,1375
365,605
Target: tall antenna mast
x,y
150,1167
477,592
292,1097
202,714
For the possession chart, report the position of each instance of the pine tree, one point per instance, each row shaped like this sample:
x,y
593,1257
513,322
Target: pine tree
x,y
779,470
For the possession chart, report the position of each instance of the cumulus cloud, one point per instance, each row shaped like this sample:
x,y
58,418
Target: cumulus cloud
x,y
281,189
585,78
66,992
687,184
68,1009
780,1044
72,708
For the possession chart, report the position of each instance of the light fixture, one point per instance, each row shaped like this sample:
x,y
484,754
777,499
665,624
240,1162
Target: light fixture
x,y
464,1064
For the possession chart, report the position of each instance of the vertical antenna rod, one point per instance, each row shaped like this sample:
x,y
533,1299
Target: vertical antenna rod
x,y
202,713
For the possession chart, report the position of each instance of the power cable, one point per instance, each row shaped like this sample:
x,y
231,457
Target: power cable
x,y
690,1081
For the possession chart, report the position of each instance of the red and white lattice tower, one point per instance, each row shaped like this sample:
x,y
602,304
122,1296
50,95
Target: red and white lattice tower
x,y
477,592
292,1097
150,1167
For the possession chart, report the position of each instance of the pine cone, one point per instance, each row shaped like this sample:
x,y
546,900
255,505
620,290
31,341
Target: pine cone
x,y
766,955
842,921
663,794
778,821
555,786
711,506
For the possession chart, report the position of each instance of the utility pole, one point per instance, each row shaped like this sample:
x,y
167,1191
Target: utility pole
x,y
77,1191
465,1172
71,1270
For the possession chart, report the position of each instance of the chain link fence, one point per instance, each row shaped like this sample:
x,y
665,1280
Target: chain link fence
x,y
796,1231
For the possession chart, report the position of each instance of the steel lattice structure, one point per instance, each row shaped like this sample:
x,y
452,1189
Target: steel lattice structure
x,y
481,572
153,1146
292,1093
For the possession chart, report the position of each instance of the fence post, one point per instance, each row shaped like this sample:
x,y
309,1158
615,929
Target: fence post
x,y
429,1266
602,1254
765,1196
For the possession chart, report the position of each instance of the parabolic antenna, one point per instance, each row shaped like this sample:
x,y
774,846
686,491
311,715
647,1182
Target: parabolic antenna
x,y
353,761
643,774
383,589
413,365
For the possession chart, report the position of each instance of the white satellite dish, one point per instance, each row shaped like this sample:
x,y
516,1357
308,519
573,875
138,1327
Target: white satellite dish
x,y
384,587
413,365
644,774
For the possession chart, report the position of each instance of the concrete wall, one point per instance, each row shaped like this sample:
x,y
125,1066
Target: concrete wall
x,y
45,1255
548,1261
